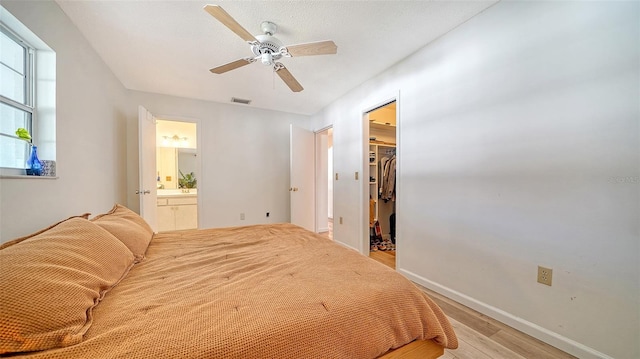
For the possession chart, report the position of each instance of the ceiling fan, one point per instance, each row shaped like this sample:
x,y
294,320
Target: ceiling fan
x,y
267,48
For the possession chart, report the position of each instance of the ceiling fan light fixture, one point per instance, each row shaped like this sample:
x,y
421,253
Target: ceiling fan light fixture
x,y
266,59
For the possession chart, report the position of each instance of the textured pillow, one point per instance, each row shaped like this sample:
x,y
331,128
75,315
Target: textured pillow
x,y
127,226
18,240
50,282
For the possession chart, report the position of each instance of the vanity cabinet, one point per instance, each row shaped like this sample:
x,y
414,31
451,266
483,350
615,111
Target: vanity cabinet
x,y
177,212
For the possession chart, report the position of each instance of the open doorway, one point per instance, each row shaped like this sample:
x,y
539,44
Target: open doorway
x,y
382,160
177,173
324,181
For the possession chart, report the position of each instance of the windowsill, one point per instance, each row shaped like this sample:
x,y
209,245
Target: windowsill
x,y
27,177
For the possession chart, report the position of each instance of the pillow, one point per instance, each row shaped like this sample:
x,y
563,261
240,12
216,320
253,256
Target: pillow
x,y
18,240
127,226
50,282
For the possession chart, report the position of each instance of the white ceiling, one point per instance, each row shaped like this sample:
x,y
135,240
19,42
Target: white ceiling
x,y
168,47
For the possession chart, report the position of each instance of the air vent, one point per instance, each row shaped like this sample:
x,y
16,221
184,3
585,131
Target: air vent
x,y
240,100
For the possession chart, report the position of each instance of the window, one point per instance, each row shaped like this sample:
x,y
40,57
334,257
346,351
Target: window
x,y
16,97
27,95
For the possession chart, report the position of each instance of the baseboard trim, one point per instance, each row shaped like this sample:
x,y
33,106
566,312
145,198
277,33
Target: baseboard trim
x,y
321,230
347,246
552,338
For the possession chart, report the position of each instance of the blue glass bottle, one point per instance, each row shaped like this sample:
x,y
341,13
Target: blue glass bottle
x,y
34,167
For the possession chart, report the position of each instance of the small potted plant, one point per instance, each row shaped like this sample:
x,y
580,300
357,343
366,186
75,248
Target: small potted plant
x,y
187,181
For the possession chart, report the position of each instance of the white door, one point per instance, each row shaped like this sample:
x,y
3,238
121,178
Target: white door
x,y
301,185
147,159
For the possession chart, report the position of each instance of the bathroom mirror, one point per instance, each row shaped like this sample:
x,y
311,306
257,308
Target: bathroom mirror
x,y
186,167
170,162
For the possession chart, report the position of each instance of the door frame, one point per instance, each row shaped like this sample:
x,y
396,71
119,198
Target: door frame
x,y
317,134
147,148
364,193
198,154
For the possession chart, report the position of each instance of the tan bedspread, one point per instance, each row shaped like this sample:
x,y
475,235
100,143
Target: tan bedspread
x,y
265,291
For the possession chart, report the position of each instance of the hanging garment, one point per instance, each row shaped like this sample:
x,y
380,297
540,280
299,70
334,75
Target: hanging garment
x,y
392,227
384,161
390,195
381,166
388,180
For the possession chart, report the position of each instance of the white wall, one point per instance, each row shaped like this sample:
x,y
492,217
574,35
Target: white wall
x,y
519,147
330,181
244,153
347,119
90,126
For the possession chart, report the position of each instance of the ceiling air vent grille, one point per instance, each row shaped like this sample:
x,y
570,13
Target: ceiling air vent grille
x,y
240,100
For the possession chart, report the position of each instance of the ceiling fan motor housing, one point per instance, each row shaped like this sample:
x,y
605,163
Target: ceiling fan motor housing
x,y
267,45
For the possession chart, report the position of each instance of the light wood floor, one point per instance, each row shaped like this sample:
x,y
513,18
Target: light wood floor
x,y
329,233
387,258
479,336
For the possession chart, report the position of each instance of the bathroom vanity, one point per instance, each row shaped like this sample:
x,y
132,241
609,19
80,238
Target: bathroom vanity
x,y
177,209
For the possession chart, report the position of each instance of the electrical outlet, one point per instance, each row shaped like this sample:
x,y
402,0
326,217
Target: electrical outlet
x,y
242,216
545,275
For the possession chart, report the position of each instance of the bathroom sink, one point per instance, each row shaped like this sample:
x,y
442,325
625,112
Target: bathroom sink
x,y
191,192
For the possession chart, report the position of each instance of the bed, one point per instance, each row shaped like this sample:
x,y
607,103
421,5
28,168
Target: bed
x,y
110,288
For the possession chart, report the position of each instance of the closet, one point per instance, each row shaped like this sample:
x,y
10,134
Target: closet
x,y
382,176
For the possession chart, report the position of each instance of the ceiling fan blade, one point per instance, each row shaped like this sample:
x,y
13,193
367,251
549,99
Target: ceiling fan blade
x,y
288,78
228,21
313,48
231,66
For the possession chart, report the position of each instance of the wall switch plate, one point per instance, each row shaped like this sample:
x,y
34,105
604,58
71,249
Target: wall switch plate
x,y
340,220
545,275
356,176
336,176
242,216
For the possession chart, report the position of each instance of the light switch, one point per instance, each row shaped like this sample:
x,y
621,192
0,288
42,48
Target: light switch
x,y
336,176
356,175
